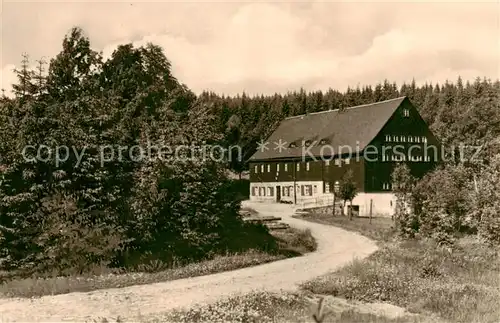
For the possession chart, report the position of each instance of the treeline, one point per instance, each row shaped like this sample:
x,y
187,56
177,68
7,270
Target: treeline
x,y
68,216
457,113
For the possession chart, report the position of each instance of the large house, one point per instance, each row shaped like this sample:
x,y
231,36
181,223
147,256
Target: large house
x,y
305,158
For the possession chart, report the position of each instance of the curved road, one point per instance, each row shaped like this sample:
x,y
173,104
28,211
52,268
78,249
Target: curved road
x,y
336,247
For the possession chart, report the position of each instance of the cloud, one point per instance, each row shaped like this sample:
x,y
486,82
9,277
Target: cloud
x,y
265,48
7,78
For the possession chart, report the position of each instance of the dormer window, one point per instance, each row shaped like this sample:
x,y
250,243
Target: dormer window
x,y
293,145
406,113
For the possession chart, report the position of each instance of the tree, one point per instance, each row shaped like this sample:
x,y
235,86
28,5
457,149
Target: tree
x,y
402,185
485,209
347,190
26,78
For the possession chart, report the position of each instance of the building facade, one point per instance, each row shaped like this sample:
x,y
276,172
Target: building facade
x,y
306,156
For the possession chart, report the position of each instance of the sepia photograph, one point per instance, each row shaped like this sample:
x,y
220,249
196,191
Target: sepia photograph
x,y
249,161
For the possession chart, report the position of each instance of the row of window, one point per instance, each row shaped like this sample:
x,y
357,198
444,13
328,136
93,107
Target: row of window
x,y
403,138
302,190
403,158
267,167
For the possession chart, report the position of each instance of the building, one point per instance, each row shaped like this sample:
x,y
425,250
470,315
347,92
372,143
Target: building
x,y
307,155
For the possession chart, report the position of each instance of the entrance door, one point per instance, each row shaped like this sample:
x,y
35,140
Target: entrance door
x,y
278,194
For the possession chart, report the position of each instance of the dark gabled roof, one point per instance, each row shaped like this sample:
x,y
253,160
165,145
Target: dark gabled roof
x,y
354,127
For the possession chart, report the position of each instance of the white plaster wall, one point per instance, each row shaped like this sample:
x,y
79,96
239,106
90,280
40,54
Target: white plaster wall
x,y
383,204
300,198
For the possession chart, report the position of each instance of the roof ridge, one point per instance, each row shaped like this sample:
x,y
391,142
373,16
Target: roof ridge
x,y
348,108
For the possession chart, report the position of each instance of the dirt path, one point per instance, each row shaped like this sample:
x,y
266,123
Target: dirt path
x,y
336,247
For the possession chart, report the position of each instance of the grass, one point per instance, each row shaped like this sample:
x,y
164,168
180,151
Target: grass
x,y
291,242
457,285
269,307
256,307
380,229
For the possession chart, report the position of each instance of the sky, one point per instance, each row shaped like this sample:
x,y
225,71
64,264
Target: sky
x,y
267,47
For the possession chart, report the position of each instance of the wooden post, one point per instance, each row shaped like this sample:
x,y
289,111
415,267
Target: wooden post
x,y
371,206
333,204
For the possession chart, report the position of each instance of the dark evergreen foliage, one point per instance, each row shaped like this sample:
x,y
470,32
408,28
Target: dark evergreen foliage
x,y
71,215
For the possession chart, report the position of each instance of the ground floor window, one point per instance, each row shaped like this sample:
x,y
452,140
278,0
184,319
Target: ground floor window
x,y
253,190
270,191
306,190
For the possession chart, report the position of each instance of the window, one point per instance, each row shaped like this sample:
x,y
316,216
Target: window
x,y
410,138
308,143
298,167
347,161
315,189
256,170
396,139
424,139
307,166
262,168
338,162
403,138
270,191
307,190
387,138
406,113
253,191
268,168
277,168
286,167
417,139
327,188
327,162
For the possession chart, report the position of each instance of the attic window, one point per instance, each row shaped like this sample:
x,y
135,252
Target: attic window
x,y
324,141
292,145
307,143
406,113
